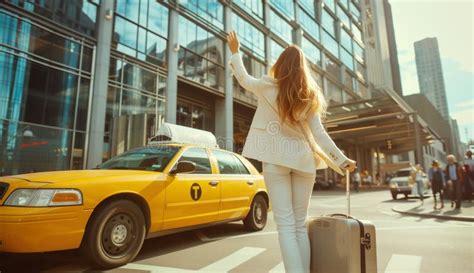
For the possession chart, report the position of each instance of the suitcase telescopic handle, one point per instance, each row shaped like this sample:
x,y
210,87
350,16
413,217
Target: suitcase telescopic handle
x,y
348,194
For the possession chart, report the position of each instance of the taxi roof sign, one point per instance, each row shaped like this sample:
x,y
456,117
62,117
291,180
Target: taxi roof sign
x,y
182,134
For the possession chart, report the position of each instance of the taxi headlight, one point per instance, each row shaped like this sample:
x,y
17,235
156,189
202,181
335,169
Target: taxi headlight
x,y
44,198
393,185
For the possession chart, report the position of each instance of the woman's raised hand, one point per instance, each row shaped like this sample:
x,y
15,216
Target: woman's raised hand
x,y
233,42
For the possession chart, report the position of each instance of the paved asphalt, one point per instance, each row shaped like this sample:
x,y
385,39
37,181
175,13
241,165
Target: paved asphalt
x,y
405,244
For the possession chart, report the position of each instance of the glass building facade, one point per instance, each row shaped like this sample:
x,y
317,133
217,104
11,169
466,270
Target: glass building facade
x,y
48,56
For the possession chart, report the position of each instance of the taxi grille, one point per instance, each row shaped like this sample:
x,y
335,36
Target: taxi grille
x,y
3,189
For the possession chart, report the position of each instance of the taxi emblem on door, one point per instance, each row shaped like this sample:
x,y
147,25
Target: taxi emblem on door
x,y
196,191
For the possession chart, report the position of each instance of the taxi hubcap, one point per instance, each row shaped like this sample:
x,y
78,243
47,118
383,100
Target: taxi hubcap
x,y
259,216
118,235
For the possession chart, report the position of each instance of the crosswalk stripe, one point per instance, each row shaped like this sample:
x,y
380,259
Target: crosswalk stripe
x,y
156,269
404,264
233,260
279,268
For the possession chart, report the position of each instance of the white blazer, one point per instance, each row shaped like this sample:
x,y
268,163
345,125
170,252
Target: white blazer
x,y
270,141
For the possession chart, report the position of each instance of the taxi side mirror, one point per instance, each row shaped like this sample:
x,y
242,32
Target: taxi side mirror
x,y
183,167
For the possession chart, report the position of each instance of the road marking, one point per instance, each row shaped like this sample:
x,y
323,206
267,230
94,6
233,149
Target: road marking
x,y
279,268
156,269
403,264
233,260
205,238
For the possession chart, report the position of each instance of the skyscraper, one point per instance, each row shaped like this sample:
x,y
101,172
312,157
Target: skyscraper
x,y
381,48
430,74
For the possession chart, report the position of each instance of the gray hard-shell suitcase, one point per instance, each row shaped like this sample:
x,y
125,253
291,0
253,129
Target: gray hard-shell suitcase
x,y
341,243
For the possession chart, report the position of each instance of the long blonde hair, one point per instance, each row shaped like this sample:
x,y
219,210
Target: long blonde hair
x,y
299,95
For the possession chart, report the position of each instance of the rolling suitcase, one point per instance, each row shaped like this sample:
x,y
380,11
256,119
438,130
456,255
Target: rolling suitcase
x,y
341,243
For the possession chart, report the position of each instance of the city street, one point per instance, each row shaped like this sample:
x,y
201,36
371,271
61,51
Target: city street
x,y
405,244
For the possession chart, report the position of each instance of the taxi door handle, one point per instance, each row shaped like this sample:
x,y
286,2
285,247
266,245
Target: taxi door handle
x,y
250,182
213,183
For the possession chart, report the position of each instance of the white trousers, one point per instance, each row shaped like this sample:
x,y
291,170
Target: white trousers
x,y
290,192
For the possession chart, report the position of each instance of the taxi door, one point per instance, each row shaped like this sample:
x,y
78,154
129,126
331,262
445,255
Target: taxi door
x,y
192,198
237,185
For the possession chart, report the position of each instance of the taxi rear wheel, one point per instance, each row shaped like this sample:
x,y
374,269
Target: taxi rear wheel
x,y
115,234
257,217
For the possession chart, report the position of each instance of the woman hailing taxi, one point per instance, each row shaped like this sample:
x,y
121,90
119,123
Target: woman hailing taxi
x,y
286,134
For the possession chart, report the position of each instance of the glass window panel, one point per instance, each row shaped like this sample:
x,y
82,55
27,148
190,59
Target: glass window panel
x,y
344,17
158,18
330,4
285,6
309,25
126,32
344,3
333,68
348,80
276,50
355,11
78,15
253,7
143,12
330,43
83,105
358,52
346,40
30,38
328,22
37,93
357,33
211,10
360,70
347,59
308,5
312,52
250,36
156,49
27,143
281,27
128,8
334,93
138,77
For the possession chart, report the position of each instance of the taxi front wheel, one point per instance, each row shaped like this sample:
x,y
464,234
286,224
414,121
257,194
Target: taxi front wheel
x,y
115,234
257,217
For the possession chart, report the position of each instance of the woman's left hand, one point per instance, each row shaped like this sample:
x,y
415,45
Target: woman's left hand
x,y
349,165
233,42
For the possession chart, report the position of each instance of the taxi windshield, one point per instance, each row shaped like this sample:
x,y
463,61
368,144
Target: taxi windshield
x,y
147,158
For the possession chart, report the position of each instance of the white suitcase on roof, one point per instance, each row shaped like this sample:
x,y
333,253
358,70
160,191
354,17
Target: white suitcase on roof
x,y
342,244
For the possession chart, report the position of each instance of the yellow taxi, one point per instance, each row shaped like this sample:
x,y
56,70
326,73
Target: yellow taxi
x,y
180,181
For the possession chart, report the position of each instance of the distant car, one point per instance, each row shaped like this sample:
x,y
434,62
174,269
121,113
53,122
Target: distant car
x,y
177,183
402,183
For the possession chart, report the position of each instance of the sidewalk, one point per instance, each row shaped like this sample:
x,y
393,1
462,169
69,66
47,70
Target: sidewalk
x,y
415,208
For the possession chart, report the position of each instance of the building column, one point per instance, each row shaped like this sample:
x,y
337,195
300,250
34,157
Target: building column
x,y
224,108
171,91
96,118
418,148
268,39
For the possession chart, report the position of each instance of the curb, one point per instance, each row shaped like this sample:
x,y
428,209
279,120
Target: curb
x,y
444,217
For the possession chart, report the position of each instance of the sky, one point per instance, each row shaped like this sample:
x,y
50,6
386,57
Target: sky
x,y
452,23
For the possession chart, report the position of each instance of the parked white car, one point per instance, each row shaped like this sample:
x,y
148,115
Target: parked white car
x,y
403,183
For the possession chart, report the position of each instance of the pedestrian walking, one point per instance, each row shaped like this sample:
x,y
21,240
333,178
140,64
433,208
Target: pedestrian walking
x,y
418,177
436,177
289,110
356,180
454,176
468,176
